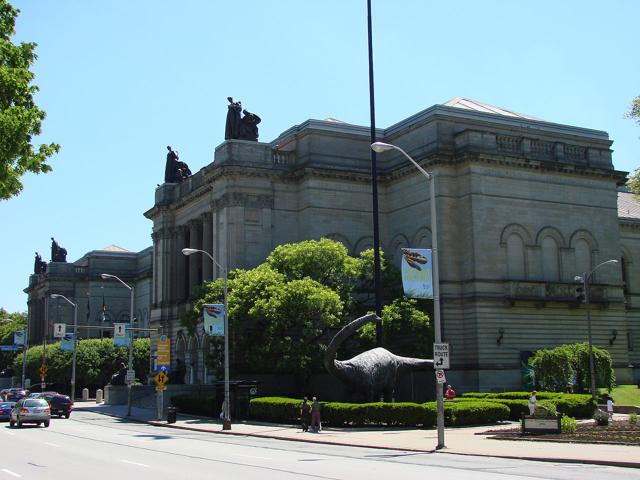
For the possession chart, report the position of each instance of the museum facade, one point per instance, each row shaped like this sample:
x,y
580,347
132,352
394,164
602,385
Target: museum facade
x,y
523,207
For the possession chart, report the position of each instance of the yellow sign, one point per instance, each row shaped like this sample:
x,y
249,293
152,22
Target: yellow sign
x,y
161,378
164,351
43,369
161,388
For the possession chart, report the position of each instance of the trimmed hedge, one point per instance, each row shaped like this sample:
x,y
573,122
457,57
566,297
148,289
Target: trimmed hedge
x,y
571,404
287,410
195,404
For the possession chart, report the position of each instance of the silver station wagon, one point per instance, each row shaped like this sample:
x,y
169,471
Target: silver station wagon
x,y
30,410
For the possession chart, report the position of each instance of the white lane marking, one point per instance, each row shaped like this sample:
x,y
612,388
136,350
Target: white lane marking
x,y
11,473
136,463
52,444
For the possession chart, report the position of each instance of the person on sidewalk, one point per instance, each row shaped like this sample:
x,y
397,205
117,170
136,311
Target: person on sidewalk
x,y
610,406
316,424
450,394
533,401
305,414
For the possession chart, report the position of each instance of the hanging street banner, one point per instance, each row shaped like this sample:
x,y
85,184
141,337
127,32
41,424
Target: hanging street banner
x,y
67,342
18,338
213,317
163,354
416,272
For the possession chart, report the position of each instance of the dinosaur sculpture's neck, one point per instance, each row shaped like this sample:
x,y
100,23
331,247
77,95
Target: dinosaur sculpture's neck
x,y
341,336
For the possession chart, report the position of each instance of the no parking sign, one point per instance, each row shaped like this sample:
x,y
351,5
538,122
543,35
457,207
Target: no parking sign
x,y
440,378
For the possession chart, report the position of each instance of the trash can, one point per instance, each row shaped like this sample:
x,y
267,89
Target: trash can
x,y
171,415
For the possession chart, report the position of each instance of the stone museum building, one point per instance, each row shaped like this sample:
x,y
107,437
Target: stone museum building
x,y
100,302
523,206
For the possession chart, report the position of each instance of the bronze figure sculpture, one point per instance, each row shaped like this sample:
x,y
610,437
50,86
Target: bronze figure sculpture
x,y
39,265
373,373
240,128
58,254
175,171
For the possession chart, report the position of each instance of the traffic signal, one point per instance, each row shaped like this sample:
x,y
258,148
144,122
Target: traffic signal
x,y
580,294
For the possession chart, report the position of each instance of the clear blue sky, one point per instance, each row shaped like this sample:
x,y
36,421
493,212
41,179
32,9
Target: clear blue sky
x,y
120,80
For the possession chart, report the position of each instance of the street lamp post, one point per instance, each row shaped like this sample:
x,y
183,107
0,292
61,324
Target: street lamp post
x,y
107,276
25,346
226,424
383,147
75,342
585,278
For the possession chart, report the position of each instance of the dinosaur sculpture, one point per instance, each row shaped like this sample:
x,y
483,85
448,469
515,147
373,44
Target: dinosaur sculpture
x,y
373,373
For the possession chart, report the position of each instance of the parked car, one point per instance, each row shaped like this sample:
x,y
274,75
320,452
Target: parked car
x,y
60,405
30,410
14,394
5,410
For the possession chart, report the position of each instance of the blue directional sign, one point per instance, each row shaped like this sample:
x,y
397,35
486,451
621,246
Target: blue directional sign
x,y
9,348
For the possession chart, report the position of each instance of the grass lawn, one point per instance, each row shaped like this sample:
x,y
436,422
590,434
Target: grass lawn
x,y
625,394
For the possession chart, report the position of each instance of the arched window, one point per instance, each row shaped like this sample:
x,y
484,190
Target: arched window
x,y
550,260
515,257
583,256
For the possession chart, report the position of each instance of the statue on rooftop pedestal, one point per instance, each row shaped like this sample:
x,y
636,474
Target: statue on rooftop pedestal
x,y
58,254
240,128
175,171
39,266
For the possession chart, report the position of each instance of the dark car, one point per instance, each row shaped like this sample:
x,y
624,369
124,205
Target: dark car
x,y
60,405
5,410
14,395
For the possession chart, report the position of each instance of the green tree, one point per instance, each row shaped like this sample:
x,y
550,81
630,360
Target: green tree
x,y
9,324
405,329
96,361
555,368
283,313
633,184
20,118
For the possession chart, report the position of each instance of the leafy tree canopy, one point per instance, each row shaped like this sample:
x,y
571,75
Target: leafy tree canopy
x,y
284,312
20,118
564,365
10,323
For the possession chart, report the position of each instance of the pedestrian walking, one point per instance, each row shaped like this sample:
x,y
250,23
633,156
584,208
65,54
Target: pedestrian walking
x,y
610,406
305,414
316,424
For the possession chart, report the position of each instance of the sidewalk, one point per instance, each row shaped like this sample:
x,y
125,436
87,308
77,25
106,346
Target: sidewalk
x,y
460,441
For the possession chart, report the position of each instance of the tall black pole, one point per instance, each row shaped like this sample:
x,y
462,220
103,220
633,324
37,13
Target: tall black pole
x,y
374,184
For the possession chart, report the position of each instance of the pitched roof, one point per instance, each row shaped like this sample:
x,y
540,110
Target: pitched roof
x,y
114,248
467,104
628,206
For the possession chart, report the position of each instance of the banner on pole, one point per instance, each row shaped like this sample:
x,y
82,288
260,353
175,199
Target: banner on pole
x,y
121,341
18,337
213,317
417,280
67,342
163,352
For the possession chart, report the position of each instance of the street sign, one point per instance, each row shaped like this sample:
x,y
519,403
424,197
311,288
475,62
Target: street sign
x,y
161,388
9,348
59,329
119,330
43,370
440,378
161,378
131,376
440,356
43,386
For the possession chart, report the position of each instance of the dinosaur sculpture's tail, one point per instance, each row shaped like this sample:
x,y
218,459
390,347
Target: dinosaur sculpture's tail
x,y
341,336
408,364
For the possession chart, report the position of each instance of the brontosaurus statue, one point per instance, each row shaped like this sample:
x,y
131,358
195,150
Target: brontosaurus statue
x,y
374,372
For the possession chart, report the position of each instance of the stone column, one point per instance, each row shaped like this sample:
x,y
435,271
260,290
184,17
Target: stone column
x,y
207,246
179,280
195,261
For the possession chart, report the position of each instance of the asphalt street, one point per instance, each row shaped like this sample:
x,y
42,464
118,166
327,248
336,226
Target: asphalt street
x,y
94,447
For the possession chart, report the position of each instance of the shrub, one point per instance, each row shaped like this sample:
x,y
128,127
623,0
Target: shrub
x,y
276,409
633,418
568,424
511,395
474,413
196,405
575,405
